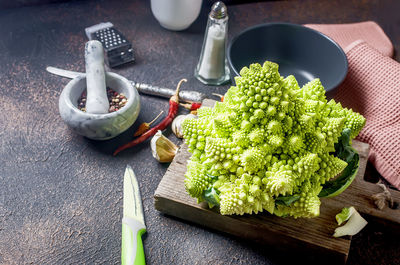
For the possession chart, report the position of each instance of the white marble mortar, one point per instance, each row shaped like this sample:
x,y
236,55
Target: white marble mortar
x,y
99,126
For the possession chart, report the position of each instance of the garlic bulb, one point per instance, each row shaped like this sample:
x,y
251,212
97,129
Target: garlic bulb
x,y
162,148
177,124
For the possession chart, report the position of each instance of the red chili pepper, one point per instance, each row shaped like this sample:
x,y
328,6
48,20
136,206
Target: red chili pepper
x,y
173,110
191,105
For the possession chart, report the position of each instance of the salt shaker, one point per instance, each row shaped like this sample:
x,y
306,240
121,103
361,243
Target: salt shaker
x,y
212,68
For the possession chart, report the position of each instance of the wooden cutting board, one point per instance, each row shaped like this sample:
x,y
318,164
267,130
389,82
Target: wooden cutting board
x,y
309,236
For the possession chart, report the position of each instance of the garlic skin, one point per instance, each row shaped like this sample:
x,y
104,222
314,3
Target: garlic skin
x,y
162,148
354,225
177,124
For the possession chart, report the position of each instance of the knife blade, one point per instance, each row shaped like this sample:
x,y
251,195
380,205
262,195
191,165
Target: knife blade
x,y
142,88
63,72
133,224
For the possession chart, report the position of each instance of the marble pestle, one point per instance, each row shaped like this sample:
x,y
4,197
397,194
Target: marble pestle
x,y
96,101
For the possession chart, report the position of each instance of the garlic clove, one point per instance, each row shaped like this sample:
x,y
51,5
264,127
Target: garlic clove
x,y
162,148
177,124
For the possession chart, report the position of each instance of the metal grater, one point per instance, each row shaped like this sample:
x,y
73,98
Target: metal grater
x,y
117,48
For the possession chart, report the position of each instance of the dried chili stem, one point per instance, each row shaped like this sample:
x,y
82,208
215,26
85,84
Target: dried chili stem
x,y
145,126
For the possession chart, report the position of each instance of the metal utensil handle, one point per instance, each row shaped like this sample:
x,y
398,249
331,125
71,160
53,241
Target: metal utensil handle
x,y
167,92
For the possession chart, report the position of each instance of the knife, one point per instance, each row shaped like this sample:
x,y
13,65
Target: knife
x,y
186,95
133,225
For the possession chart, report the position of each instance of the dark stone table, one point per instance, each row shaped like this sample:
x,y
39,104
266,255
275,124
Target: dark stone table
x,y
61,194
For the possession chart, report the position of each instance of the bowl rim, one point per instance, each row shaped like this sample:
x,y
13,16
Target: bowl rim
x,y
74,81
299,26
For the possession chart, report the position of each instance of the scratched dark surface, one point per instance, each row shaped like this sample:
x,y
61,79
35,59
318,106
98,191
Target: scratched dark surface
x,y
61,194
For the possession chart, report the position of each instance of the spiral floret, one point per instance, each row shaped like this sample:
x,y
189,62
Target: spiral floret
x,y
256,136
241,138
280,182
295,143
330,166
196,180
314,90
252,159
354,121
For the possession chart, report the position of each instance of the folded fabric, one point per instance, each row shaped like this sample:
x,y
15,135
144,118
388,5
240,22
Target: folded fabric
x,y
372,88
345,34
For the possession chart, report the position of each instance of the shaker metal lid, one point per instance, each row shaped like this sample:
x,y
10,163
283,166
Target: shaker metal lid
x,y
219,10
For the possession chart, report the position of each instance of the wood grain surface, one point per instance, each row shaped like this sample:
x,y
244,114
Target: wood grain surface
x,y
61,194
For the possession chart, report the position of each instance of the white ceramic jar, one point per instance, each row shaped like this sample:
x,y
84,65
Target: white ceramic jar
x,y
176,14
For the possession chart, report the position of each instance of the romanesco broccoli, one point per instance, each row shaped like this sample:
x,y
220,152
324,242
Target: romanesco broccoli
x,y
269,141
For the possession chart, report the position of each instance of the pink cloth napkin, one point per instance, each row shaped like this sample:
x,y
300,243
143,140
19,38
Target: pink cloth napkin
x,y
372,88
345,34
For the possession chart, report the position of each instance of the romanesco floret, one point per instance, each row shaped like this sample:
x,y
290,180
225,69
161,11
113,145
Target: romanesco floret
x,y
269,142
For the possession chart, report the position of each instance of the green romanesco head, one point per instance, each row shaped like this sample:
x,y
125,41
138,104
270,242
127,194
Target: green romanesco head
x,y
268,139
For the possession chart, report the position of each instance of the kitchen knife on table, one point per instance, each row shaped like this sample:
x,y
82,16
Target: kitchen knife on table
x,y
133,225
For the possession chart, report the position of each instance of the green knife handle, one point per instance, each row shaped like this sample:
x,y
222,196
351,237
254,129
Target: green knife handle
x,y
132,252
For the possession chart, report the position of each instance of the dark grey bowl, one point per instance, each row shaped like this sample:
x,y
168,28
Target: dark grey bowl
x,y
299,51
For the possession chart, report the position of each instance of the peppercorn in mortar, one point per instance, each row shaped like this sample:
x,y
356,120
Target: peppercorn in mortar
x,y
269,146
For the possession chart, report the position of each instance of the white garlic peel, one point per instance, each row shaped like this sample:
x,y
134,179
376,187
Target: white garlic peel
x,y
354,225
162,148
177,124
